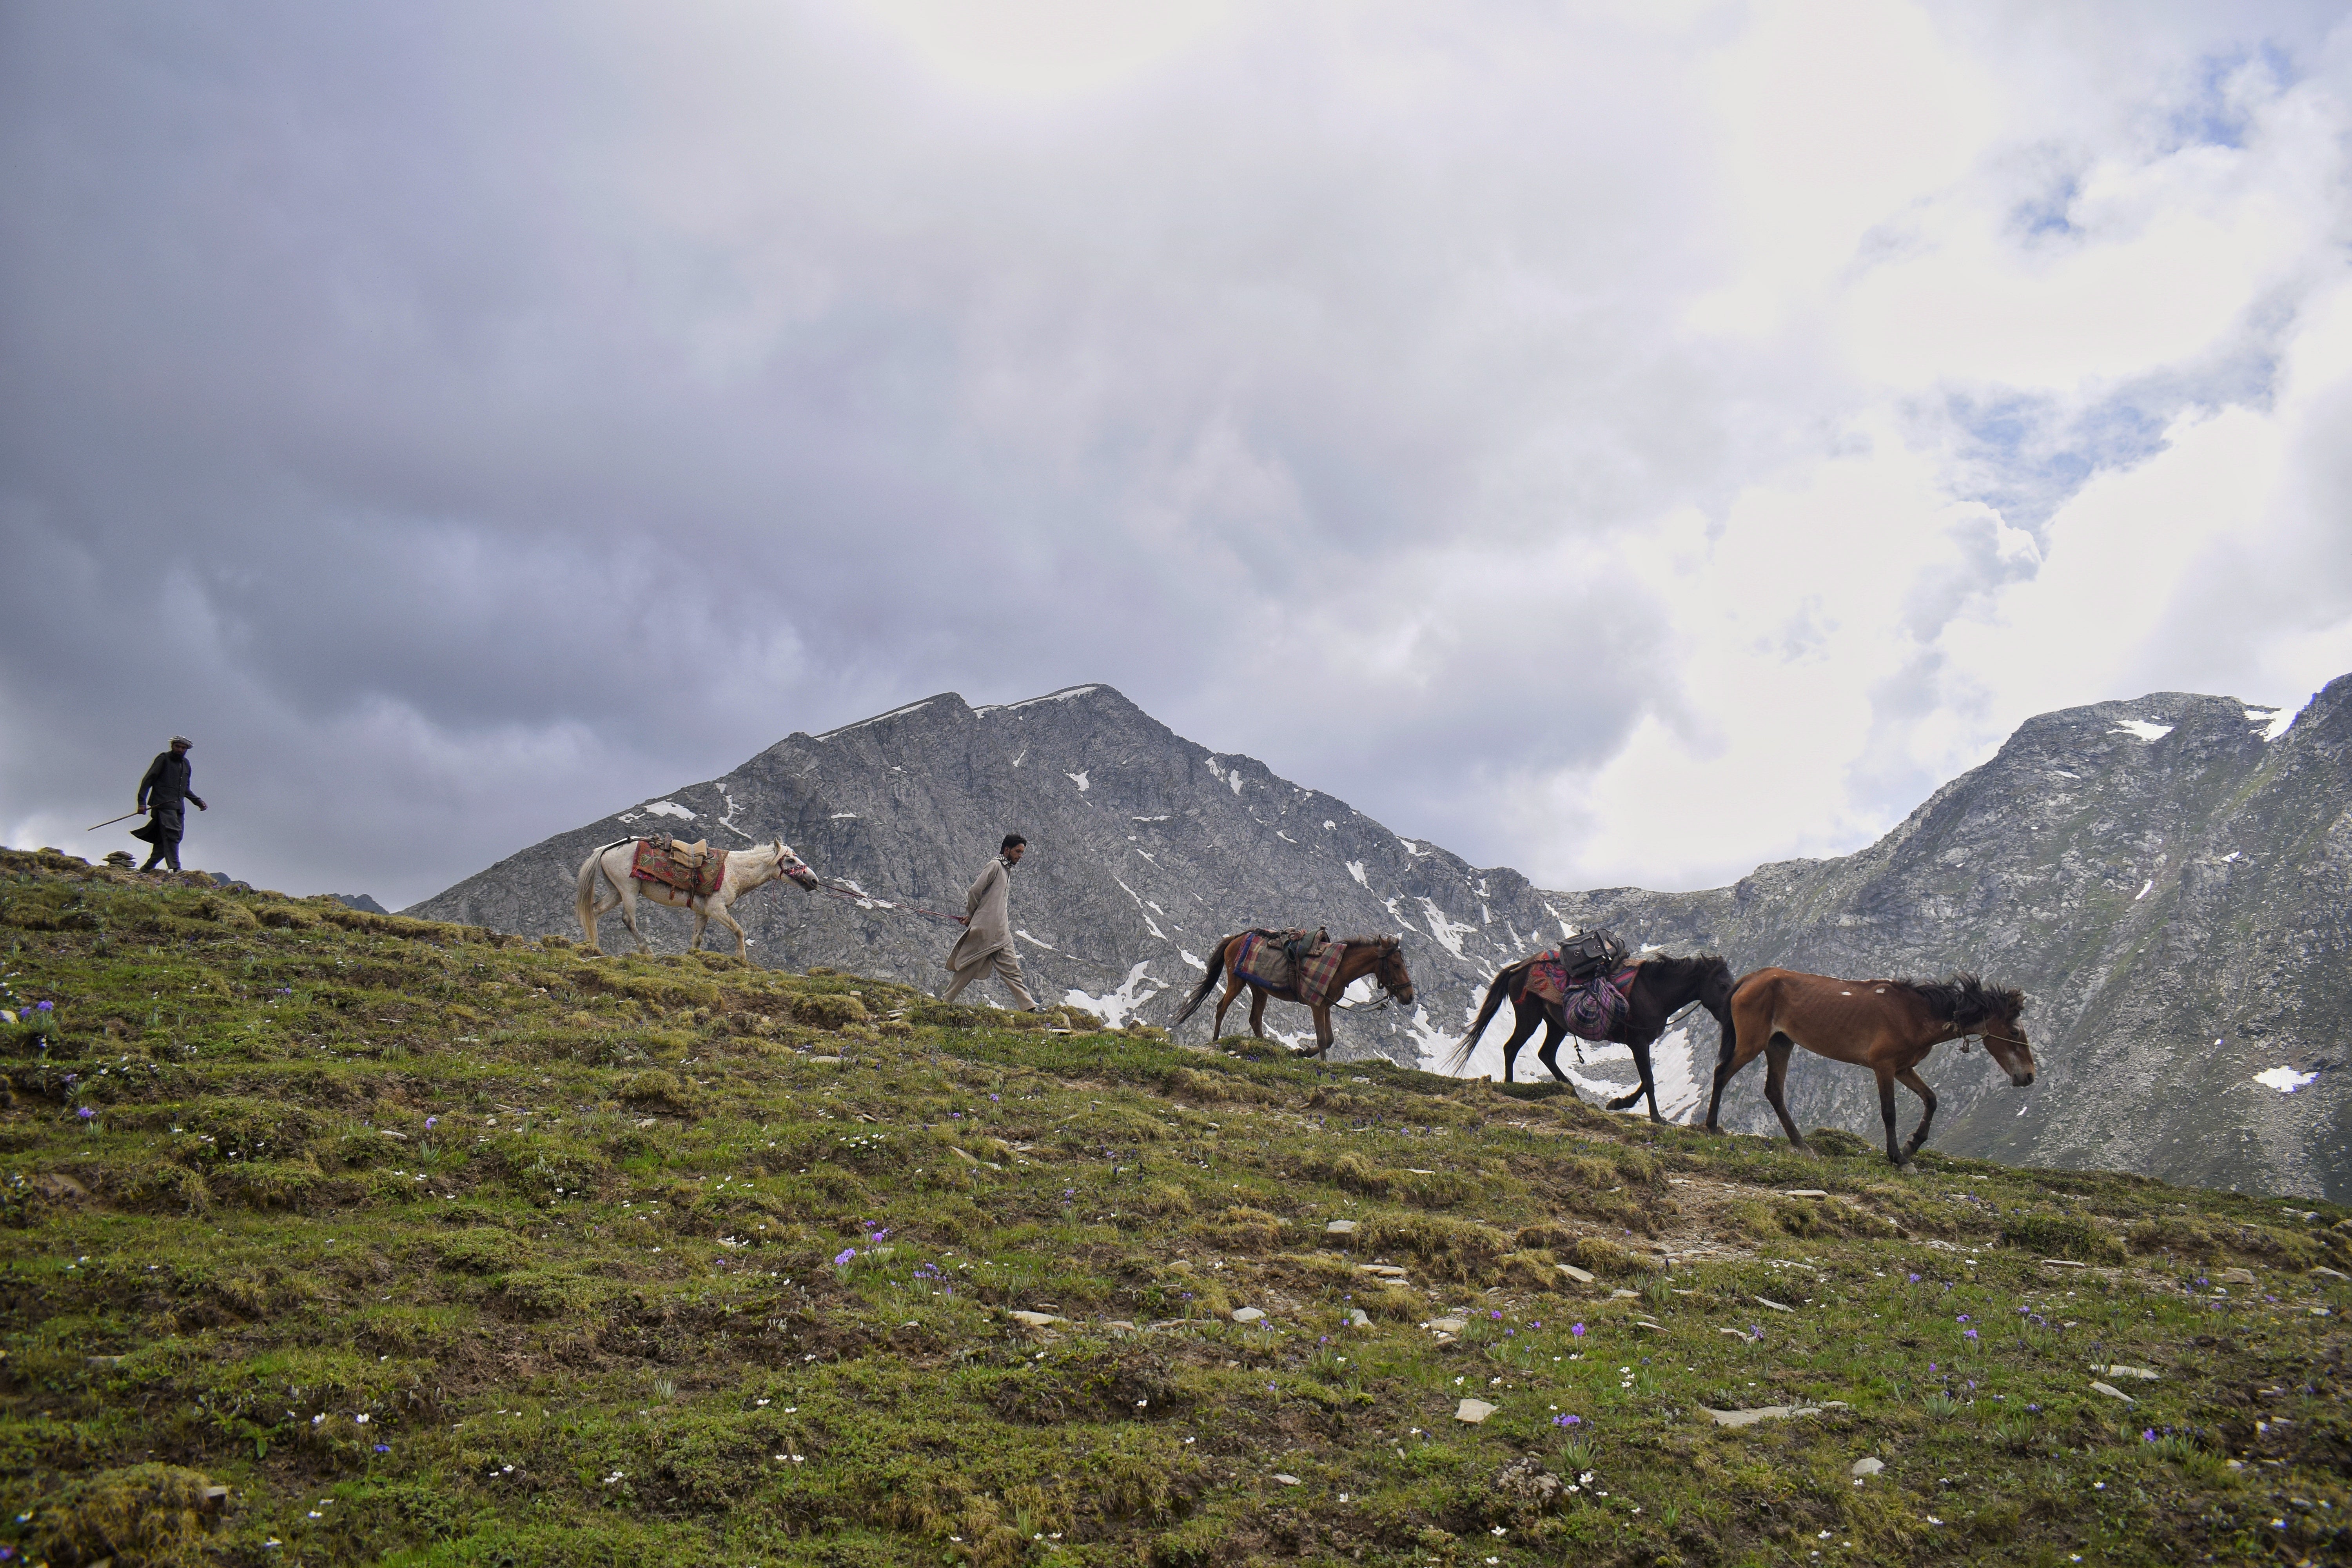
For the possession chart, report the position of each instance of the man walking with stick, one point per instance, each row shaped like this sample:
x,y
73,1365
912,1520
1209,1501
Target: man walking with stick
x,y
987,939
161,793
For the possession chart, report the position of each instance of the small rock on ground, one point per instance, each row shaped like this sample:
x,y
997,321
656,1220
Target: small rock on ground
x,y
1247,1314
1581,1275
1868,1467
1472,1410
2112,1392
1764,1413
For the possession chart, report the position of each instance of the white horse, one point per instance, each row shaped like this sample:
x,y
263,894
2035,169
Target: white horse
x,y
746,869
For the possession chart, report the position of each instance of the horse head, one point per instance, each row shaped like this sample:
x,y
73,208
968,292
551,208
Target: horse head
x,y
1390,972
790,865
1966,1005
1715,987
2005,1042
2002,1030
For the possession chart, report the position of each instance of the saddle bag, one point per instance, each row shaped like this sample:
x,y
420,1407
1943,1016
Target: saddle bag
x,y
1591,955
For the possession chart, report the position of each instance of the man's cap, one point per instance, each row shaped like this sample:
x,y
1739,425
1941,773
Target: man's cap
x,y
181,741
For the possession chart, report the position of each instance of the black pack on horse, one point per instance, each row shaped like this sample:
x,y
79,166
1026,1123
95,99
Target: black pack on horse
x,y
1661,988
1886,1026
1381,957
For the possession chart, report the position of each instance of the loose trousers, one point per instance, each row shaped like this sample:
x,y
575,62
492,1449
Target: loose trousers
x,y
1007,964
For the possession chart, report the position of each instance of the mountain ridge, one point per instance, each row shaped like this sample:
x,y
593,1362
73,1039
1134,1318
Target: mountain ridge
x,y
2100,859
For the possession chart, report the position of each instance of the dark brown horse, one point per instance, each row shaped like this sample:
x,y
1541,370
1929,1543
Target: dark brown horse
x,y
1662,987
1381,957
1886,1026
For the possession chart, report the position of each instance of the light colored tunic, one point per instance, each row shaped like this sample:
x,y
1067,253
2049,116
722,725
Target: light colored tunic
x,y
988,904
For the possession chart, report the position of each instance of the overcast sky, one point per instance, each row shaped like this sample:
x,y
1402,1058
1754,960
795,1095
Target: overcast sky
x,y
1639,440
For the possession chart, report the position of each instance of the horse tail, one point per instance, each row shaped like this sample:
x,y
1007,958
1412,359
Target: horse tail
x,y
586,905
1208,983
1723,1021
1495,992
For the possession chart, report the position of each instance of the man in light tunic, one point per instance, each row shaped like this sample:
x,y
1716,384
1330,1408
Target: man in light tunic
x,y
987,938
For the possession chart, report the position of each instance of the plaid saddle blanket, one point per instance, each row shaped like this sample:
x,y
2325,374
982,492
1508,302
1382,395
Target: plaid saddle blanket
x,y
1595,1010
694,870
1264,959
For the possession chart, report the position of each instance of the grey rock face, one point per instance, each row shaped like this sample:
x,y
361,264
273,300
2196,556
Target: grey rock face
x,y
2166,878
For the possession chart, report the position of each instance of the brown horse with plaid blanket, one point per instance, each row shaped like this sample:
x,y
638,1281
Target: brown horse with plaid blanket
x,y
1886,1026
1381,957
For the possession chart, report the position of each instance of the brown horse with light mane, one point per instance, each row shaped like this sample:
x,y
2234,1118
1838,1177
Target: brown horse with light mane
x,y
1886,1026
1381,957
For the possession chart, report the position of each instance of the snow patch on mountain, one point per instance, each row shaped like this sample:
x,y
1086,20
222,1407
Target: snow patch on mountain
x,y
1448,933
1120,1003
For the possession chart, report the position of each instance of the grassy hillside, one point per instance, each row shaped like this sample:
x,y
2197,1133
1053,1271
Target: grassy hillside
x,y
430,1246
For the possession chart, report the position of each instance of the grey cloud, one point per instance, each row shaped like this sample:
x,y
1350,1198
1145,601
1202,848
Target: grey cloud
x,y
473,417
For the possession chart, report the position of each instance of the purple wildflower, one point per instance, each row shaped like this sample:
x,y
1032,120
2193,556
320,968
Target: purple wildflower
x,y
1971,1333
1578,1331
86,1113
1915,1279
2148,1436
1496,1316
847,1254
383,1447
431,1123
51,1006
1567,1420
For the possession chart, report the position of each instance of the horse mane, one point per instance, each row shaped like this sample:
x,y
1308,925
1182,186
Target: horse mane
x,y
1370,939
1690,968
1967,1002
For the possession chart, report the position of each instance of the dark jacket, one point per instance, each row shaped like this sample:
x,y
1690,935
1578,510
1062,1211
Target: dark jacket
x,y
167,782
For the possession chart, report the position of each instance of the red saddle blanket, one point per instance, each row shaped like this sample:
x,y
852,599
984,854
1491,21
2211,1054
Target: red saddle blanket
x,y
689,875
1596,1009
1264,960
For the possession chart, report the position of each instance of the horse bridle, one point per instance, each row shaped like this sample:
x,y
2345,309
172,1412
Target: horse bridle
x,y
1388,993
1992,1039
